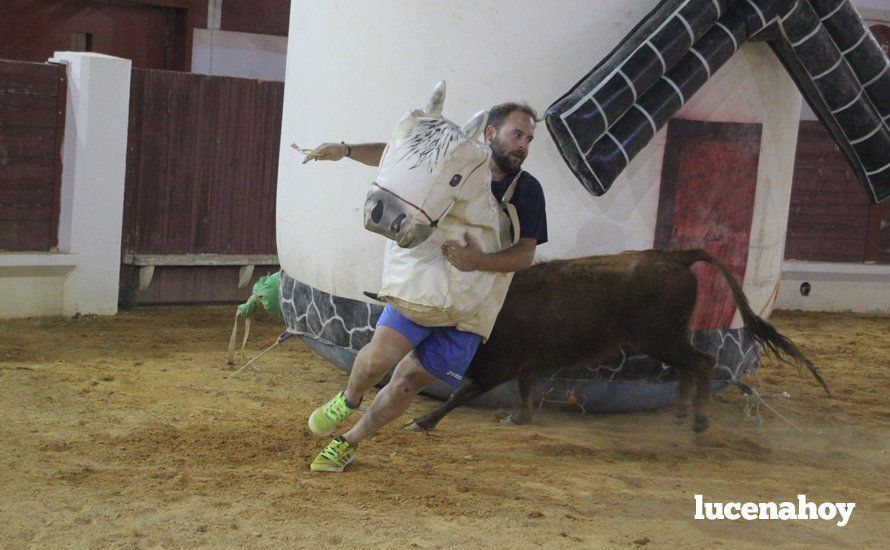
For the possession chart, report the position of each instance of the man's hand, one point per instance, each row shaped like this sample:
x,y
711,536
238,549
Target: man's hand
x,y
465,258
471,258
325,151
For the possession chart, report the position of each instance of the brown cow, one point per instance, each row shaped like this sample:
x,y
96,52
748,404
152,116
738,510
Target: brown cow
x,y
581,311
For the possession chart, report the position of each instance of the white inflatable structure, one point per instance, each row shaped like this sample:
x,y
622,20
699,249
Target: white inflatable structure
x,y
354,67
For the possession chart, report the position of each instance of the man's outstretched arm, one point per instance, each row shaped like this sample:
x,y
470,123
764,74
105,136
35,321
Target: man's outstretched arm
x,y
366,153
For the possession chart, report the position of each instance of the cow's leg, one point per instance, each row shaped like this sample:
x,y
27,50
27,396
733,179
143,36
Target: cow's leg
x,y
698,363
704,373
461,396
686,378
524,414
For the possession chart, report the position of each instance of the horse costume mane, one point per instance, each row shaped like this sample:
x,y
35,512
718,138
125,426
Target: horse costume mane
x,y
434,185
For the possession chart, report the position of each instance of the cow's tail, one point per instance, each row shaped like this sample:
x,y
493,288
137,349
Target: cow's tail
x,y
763,332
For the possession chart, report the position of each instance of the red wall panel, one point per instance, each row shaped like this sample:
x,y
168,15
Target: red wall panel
x,y
709,178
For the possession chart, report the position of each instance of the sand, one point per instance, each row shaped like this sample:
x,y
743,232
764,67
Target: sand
x,y
124,432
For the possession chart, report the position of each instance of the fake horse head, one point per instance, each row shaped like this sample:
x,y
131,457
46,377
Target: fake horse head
x,y
426,165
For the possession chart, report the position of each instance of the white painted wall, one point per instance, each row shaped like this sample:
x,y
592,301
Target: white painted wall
x,y
83,275
860,288
354,69
239,54
874,4
32,284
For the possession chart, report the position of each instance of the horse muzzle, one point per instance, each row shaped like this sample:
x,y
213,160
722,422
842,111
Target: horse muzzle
x,y
395,219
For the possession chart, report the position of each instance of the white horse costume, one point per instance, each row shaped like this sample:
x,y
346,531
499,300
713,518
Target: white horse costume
x,y
434,185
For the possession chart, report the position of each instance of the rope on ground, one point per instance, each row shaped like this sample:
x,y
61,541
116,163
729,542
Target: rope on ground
x,y
284,336
571,399
230,356
753,401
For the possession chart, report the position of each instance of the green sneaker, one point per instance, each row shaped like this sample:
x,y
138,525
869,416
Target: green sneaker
x,y
334,457
325,419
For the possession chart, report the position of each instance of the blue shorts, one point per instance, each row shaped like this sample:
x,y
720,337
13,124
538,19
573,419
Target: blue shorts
x,y
444,352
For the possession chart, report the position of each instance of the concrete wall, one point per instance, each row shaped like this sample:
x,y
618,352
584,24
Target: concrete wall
x,y
82,276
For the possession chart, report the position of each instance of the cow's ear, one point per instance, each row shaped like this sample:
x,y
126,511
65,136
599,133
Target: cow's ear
x,y
475,125
434,107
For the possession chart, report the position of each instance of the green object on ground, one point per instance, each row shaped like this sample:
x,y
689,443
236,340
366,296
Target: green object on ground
x,y
248,308
265,291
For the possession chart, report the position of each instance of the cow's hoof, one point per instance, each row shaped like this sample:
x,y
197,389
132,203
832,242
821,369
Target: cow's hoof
x,y
701,424
413,426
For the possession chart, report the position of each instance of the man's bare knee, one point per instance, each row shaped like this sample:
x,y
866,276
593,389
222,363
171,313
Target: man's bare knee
x,y
408,385
410,377
387,347
374,358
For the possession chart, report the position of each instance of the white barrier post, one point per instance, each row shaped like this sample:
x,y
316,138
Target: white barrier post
x,y
94,155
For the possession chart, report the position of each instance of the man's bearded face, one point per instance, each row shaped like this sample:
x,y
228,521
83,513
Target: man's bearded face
x,y
508,160
509,144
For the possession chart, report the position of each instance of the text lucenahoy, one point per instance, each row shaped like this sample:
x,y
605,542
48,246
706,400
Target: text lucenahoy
x,y
750,511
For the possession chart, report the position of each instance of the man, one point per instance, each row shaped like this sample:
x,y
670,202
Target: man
x,y
421,354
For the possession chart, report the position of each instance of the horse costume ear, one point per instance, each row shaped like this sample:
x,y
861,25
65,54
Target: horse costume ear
x,y
475,125
434,107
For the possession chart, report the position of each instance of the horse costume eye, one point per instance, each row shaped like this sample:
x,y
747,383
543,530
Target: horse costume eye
x,y
455,180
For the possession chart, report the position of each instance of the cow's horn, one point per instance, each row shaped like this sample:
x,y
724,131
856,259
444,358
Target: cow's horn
x,y
434,107
475,125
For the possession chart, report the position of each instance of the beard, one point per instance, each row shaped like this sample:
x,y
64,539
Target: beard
x,y
507,161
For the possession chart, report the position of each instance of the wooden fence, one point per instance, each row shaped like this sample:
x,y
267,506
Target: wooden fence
x,y
202,167
32,124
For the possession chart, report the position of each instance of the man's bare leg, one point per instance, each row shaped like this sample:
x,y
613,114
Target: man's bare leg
x,y
386,348
393,400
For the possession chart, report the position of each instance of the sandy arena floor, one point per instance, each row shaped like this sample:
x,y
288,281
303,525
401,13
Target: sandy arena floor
x,y
123,432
